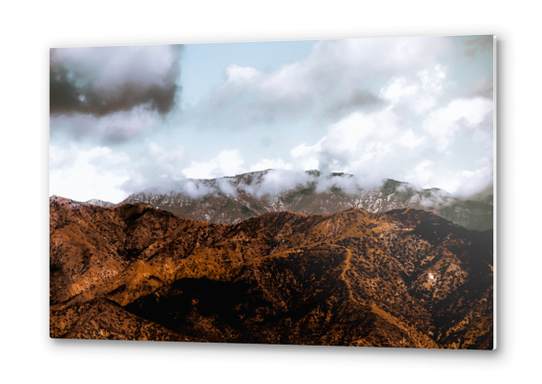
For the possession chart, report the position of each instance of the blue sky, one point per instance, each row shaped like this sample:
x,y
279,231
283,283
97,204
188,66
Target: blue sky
x,y
416,109
203,64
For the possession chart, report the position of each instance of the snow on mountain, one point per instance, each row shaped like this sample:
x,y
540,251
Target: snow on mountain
x,y
234,199
101,203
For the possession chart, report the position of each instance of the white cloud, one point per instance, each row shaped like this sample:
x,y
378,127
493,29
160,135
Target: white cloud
x,y
225,186
87,174
158,167
371,146
194,189
471,182
349,184
422,174
239,75
60,158
397,89
227,163
410,140
462,182
167,161
264,164
306,157
463,116
337,78
109,129
418,93
276,181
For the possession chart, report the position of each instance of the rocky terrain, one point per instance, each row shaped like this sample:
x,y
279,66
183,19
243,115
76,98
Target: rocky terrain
x,y
233,199
405,278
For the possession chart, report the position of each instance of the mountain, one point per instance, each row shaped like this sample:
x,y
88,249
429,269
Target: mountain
x,y
233,199
474,212
101,203
404,278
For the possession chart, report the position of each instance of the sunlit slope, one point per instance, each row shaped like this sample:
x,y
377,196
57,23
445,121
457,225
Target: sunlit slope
x,y
406,278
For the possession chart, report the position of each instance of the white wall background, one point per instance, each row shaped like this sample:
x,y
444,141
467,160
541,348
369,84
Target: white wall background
x,y
28,30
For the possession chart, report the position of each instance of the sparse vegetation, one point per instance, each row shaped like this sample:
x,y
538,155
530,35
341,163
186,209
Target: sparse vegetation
x,y
407,278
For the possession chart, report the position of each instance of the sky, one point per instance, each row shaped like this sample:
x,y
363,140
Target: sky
x,y
134,118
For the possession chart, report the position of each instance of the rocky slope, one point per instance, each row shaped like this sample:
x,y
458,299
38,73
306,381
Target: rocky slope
x,y
233,199
405,278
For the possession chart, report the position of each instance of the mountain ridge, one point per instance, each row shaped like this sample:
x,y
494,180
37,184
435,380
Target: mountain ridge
x,y
242,197
354,278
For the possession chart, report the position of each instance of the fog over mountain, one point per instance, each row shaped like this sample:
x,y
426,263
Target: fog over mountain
x,y
233,199
414,109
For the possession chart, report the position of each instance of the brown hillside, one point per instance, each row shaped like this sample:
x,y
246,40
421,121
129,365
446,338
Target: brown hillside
x,y
406,278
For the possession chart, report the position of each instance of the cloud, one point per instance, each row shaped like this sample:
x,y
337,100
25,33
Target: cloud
x,y
336,79
481,88
84,174
371,146
195,189
227,163
471,117
346,182
111,95
101,157
61,158
304,156
374,146
417,94
422,174
474,45
265,164
428,174
412,109
103,80
275,182
226,187
114,128
156,167
164,169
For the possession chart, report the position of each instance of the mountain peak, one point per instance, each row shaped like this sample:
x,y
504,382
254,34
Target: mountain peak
x,y
236,198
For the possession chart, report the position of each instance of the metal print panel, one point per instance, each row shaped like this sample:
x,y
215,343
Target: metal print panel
x,y
335,192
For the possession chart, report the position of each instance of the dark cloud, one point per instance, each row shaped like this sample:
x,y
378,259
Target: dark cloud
x,y
355,100
246,103
103,80
481,88
477,44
